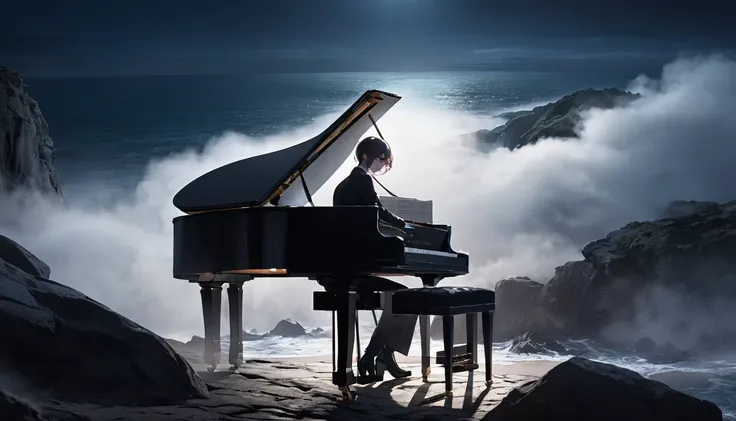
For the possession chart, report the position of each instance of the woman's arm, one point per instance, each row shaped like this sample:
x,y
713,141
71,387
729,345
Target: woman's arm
x,y
369,196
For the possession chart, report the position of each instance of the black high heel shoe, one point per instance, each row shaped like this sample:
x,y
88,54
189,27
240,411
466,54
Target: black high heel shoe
x,y
386,361
366,370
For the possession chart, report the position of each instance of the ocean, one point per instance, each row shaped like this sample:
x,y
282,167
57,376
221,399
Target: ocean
x,y
124,145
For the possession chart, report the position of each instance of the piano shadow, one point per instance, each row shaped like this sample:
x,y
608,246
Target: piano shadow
x,y
469,405
390,399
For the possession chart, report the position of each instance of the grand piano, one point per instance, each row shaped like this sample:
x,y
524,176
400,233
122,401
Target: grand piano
x,y
250,219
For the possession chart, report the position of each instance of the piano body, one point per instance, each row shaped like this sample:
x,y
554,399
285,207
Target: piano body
x,y
249,219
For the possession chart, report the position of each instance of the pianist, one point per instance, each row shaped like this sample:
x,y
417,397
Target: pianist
x,y
394,332
374,156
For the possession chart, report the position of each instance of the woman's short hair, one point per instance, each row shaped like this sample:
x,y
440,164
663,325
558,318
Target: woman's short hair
x,y
373,147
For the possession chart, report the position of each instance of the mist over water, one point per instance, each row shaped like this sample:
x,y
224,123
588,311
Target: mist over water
x,y
519,212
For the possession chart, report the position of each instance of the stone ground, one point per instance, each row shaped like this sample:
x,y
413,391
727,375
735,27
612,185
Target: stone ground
x,y
288,389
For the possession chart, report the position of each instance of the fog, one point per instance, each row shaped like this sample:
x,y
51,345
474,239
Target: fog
x,y
517,213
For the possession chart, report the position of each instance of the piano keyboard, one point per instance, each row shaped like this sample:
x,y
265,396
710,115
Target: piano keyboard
x,y
431,252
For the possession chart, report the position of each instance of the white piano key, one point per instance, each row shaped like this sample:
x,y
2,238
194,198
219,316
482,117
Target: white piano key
x,y
430,252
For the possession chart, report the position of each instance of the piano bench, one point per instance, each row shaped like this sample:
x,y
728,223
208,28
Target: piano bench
x,y
330,301
448,302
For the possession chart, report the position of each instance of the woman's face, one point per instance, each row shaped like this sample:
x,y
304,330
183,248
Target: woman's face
x,y
378,164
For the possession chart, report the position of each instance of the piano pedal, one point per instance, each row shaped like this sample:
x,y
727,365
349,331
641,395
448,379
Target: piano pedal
x,y
462,363
464,366
457,359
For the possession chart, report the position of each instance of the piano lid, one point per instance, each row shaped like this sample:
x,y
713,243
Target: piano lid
x,y
258,180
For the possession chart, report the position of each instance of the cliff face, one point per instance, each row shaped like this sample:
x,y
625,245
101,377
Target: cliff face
x,y
556,119
26,149
672,278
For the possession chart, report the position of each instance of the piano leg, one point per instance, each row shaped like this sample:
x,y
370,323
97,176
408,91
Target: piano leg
x,y
424,339
344,376
211,306
487,321
235,301
430,281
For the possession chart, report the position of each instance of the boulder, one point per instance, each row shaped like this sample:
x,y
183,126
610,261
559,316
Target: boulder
x,y
252,336
77,350
658,354
26,149
14,408
537,343
558,119
318,332
566,299
18,256
580,389
461,333
518,308
19,408
288,328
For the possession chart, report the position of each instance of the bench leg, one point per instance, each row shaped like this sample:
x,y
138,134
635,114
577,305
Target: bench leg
x,y
488,344
235,302
471,323
448,333
424,339
211,305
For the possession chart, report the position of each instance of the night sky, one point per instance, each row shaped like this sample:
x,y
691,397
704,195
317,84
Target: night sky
x,y
79,38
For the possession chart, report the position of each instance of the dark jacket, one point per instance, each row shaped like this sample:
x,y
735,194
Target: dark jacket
x,y
357,190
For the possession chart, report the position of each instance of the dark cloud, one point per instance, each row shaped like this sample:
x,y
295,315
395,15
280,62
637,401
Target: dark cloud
x,y
43,34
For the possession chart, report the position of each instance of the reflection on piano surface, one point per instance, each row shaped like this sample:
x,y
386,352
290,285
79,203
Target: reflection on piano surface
x,y
309,242
248,219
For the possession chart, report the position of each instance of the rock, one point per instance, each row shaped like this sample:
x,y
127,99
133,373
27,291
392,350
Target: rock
x,y
580,389
26,149
695,248
250,336
288,329
566,299
518,311
17,409
635,282
645,345
318,332
196,341
658,354
535,343
518,308
683,208
461,333
77,350
556,119
16,255
648,271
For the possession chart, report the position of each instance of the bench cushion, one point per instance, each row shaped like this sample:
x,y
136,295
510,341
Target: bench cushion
x,y
443,300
